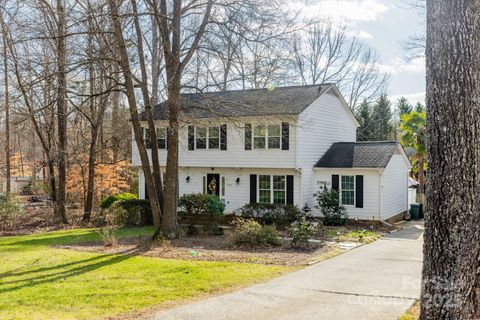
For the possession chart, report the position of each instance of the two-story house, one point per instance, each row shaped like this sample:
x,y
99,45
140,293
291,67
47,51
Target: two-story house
x,y
280,146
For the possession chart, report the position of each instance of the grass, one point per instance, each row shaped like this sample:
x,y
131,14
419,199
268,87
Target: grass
x,y
38,281
412,314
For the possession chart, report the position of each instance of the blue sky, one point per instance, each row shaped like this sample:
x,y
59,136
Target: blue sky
x,y
383,24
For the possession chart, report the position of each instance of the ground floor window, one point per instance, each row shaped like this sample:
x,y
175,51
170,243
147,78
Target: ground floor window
x,y
271,189
347,194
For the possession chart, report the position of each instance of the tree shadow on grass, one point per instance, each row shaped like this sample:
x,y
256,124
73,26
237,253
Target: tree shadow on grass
x,y
91,264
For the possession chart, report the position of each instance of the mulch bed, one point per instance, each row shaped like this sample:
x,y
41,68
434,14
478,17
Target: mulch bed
x,y
212,248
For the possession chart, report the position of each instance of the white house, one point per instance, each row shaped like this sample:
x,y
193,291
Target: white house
x,y
280,146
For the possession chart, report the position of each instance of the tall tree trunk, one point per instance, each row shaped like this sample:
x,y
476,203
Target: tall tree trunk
x,y
125,66
451,271
7,115
115,116
61,114
157,174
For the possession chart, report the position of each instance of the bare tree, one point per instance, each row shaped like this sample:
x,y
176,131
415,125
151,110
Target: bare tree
x,y
325,53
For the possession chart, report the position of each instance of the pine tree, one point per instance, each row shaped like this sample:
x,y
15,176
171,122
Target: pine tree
x,y
403,106
382,120
419,107
364,132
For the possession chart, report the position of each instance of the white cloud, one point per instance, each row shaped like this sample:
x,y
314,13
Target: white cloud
x,y
353,10
413,98
362,34
398,65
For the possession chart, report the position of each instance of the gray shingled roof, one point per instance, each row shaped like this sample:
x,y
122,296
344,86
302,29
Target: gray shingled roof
x,y
254,102
369,154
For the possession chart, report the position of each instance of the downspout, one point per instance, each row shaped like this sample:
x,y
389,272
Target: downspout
x,y
380,173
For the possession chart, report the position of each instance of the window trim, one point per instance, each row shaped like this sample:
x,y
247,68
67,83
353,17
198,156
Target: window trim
x,y
207,143
267,136
340,187
272,190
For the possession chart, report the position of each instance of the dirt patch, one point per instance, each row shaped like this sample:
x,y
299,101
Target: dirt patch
x,y
213,248
38,218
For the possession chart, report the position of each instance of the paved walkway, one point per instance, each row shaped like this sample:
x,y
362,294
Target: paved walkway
x,y
375,281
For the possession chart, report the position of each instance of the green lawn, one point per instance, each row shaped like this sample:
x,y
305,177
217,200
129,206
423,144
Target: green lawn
x,y
41,282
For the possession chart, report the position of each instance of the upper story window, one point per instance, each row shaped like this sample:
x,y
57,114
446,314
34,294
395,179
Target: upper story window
x,y
273,136
161,138
347,194
267,137
207,137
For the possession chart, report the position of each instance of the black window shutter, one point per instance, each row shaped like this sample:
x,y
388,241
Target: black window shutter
x,y
253,188
359,191
223,137
248,136
146,192
285,136
191,137
335,182
289,189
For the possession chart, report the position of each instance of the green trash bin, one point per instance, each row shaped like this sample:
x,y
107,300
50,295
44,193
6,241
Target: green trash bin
x,y
415,211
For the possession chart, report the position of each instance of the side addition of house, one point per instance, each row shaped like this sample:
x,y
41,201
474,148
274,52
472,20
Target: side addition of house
x,y
281,146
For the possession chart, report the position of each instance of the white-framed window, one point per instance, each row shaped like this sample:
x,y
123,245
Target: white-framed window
x,y
162,138
267,137
161,134
347,190
207,137
272,189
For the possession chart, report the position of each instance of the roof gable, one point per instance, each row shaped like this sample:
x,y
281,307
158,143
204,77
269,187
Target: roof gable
x,y
241,103
369,154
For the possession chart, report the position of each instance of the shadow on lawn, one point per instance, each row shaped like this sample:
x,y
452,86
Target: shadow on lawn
x,y
78,267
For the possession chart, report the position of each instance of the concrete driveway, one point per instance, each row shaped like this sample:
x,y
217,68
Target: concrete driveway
x,y
376,281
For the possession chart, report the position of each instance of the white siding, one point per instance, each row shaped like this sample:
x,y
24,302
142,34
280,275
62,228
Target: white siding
x,y
371,190
236,195
324,122
395,187
235,155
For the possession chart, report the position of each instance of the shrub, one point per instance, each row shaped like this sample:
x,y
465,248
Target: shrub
x,y
201,204
107,234
301,231
270,212
117,216
333,212
138,211
108,201
9,210
250,232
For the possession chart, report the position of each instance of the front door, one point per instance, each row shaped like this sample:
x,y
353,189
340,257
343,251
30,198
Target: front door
x,y
213,184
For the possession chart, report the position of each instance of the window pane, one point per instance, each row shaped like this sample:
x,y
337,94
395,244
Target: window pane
x,y
279,183
348,197
264,182
214,132
274,142
201,138
274,131
264,196
161,133
259,131
201,143
213,143
347,182
162,143
201,132
259,143
278,196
